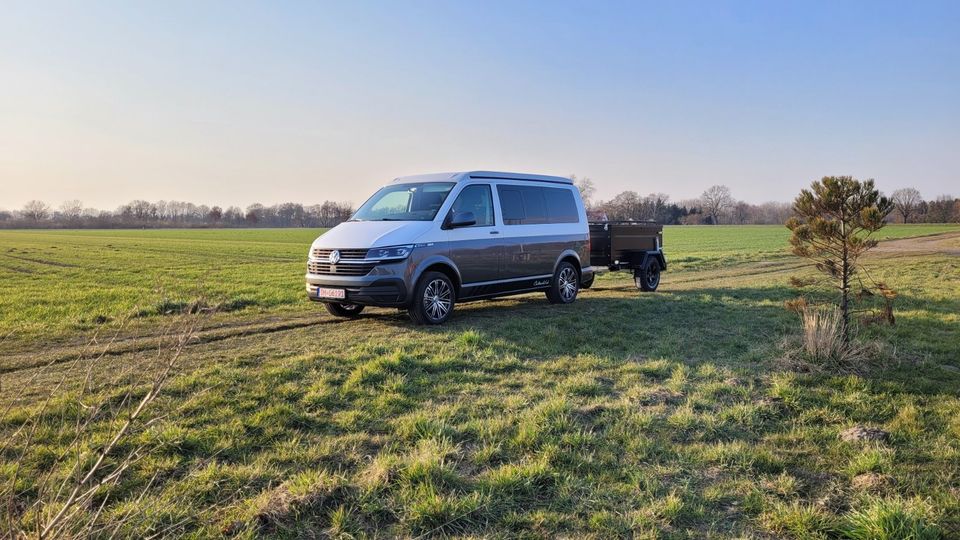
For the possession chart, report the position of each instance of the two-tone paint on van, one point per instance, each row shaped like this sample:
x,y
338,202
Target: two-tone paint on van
x,y
425,242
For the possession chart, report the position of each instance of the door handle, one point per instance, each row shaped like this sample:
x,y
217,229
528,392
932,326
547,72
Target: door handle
x,y
494,232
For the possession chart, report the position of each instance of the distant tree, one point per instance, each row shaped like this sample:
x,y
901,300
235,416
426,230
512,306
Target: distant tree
x,y
742,212
775,212
139,211
624,206
344,211
832,225
941,210
907,201
254,213
714,201
36,211
587,190
291,214
201,214
215,215
672,214
71,210
233,215
657,207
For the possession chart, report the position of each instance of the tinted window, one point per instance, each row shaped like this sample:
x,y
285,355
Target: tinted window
x,y
534,206
525,205
561,208
511,205
477,199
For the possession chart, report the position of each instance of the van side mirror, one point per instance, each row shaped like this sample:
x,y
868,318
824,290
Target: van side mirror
x,y
461,219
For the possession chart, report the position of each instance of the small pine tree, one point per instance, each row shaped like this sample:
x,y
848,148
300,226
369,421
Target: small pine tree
x,y
831,226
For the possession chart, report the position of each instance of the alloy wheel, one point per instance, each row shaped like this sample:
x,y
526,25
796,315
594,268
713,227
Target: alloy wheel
x,y
437,299
567,284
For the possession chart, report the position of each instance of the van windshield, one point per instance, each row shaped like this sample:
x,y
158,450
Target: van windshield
x,y
405,202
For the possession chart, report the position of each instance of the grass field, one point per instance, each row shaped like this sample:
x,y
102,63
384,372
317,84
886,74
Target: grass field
x,y
58,286
679,414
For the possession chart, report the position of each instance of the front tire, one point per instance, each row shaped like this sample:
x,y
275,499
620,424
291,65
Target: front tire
x,y
433,299
565,284
341,309
648,277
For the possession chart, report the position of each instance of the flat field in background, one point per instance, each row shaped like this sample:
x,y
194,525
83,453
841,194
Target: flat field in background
x,y
678,414
56,285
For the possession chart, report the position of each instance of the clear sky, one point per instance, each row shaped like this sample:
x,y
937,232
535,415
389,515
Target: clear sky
x,y
240,102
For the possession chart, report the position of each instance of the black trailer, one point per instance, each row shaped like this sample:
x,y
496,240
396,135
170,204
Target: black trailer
x,y
629,245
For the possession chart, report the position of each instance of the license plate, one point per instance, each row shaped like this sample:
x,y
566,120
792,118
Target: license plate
x,y
336,294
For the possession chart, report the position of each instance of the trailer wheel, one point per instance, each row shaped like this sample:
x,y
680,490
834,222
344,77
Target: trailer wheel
x,y
648,277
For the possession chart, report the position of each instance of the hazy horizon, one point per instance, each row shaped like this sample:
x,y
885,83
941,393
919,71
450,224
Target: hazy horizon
x,y
230,103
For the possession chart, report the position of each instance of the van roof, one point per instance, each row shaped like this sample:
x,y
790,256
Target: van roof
x,y
481,175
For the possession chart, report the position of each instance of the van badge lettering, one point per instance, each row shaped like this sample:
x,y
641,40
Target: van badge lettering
x,y
540,283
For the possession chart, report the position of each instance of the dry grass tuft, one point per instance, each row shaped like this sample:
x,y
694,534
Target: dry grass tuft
x,y
822,334
822,340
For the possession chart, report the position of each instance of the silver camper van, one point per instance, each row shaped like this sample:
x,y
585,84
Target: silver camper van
x,y
424,243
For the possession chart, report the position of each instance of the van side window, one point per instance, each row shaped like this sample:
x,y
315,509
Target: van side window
x,y
561,208
534,206
511,205
479,200
527,205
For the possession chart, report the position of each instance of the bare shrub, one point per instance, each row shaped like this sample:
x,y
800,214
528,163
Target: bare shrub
x,y
99,411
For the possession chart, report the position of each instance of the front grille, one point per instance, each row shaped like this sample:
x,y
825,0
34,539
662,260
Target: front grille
x,y
349,264
325,268
345,254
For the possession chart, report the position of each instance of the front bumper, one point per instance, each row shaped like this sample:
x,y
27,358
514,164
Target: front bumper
x,y
389,292
385,285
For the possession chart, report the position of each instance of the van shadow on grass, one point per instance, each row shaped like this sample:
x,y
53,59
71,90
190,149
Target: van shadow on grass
x,y
721,325
734,326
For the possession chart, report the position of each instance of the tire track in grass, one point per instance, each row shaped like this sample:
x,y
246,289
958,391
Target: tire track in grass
x,y
59,355
42,261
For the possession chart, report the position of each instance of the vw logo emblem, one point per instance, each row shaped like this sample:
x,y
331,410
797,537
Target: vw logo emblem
x,y
334,257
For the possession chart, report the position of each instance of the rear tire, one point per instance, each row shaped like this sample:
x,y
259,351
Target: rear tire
x,y
565,284
340,309
648,277
433,299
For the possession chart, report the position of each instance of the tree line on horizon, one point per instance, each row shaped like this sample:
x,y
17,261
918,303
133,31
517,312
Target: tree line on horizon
x,y
164,214
716,205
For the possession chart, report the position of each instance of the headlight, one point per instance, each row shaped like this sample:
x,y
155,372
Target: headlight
x,y
394,252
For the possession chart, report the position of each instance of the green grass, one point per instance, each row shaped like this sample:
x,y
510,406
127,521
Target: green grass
x,y
58,285
667,415
703,246
54,284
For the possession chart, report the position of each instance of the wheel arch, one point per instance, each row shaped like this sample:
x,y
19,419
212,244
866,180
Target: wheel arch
x,y
571,257
439,264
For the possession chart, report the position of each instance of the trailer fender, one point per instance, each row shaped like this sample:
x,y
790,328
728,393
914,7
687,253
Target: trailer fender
x,y
661,259
654,255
